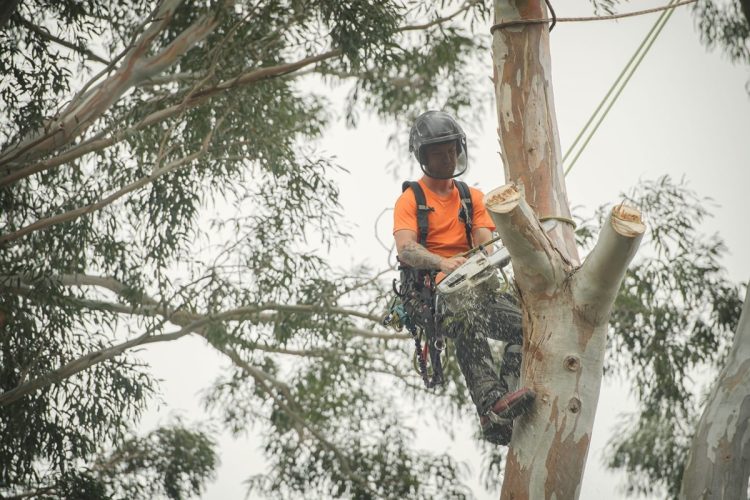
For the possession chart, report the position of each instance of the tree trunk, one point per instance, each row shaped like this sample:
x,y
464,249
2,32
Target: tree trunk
x,y
719,460
566,307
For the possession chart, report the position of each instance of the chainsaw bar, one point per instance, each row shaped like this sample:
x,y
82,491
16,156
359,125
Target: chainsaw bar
x,y
479,267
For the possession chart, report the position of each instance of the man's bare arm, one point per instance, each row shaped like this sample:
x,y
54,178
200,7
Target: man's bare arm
x,y
415,255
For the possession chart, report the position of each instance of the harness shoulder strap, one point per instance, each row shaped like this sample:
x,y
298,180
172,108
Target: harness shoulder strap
x,y
422,209
466,210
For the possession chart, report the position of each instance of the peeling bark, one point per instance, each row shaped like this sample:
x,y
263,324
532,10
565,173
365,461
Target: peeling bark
x,y
526,115
719,460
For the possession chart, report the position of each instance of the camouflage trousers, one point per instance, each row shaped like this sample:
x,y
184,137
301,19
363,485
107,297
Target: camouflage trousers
x,y
498,317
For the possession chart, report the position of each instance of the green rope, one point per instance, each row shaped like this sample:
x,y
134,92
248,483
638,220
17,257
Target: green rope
x,y
626,72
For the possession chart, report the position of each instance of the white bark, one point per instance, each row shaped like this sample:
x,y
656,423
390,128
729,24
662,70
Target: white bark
x,y
719,460
532,254
596,283
527,125
565,326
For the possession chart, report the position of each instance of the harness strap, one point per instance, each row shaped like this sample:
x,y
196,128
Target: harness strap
x,y
422,210
466,212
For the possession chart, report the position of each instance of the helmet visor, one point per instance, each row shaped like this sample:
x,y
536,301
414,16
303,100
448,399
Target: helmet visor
x,y
444,160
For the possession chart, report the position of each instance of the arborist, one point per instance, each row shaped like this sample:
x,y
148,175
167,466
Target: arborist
x,y
436,219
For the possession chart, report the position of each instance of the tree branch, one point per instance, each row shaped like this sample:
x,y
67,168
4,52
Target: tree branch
x,y
14,167
151,307
535,262
718,461
256,373
440,20
718,458
82,363
75,119
93,207
195,99
596,283
49,36
262,74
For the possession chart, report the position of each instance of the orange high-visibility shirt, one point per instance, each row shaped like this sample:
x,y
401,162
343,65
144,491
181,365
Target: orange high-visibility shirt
x,y
446,234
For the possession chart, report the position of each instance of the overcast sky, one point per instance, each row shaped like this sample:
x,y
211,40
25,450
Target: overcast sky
x,y
686,112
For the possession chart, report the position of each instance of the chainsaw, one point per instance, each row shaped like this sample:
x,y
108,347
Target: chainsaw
x,y
480,266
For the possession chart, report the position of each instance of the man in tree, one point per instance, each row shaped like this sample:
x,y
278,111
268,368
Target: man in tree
x,y
433,225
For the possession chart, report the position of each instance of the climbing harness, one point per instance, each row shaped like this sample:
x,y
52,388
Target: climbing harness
x,y
414,307
415,304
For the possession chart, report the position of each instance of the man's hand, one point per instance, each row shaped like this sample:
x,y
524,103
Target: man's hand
x,y
450,264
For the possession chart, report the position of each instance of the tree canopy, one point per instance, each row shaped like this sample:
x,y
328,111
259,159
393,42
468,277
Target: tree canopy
x,y
160,179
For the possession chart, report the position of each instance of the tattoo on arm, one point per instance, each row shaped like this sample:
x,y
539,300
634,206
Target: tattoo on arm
x,y
419,257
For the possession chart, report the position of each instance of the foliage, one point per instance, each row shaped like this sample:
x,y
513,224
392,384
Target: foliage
x,y
725,25
160,178
674,317
171,461
42,330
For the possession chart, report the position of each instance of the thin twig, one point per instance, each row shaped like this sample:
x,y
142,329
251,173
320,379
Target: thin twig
x,y
440,20
49,36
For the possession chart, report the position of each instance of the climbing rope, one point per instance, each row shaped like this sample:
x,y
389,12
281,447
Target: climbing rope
x,y
622,80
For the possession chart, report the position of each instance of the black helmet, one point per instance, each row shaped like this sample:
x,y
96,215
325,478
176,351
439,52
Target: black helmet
x,y
437,127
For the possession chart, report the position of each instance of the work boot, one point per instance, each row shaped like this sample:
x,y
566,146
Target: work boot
x,y
497,423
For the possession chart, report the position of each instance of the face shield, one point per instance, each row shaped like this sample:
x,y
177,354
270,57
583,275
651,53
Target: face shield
x,y
444,160
439,144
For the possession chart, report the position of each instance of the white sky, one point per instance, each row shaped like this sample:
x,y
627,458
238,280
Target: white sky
x,y
685,112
